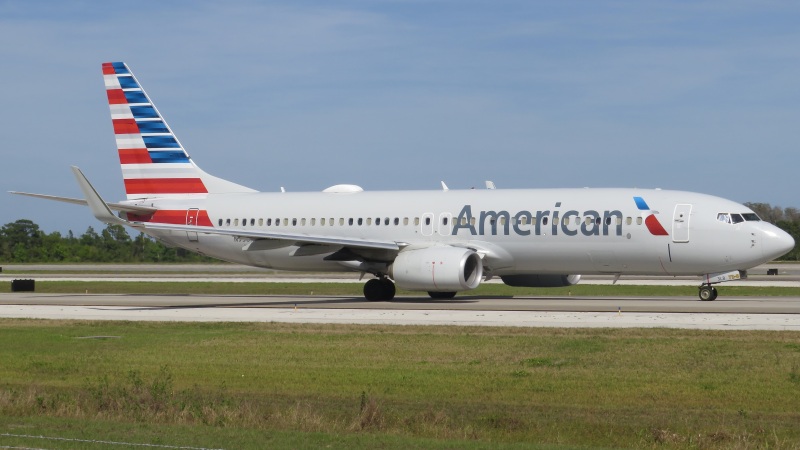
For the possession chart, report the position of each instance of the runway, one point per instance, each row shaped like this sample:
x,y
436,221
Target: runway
x,y
775,313
767,313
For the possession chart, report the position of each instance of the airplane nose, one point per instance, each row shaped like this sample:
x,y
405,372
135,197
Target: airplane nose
x,y
776,242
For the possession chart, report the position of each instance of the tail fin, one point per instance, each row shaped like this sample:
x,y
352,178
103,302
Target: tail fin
x,y
154,163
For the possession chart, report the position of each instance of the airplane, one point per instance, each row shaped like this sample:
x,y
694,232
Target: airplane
x,y
441,242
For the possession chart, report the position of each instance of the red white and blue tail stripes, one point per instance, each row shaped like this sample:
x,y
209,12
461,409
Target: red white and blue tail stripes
x,y
154,163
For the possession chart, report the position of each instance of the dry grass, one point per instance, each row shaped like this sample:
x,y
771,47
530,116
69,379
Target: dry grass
x,y
613,388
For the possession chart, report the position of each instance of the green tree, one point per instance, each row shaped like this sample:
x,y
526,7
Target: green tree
x,y
21,241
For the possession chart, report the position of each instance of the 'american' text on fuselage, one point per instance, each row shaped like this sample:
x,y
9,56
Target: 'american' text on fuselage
x,y
525,223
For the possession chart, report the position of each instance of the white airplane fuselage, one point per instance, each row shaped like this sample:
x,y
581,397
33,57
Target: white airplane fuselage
x,y
698,243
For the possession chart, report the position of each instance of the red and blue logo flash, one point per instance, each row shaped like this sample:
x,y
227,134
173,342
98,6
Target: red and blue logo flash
x,y
653,225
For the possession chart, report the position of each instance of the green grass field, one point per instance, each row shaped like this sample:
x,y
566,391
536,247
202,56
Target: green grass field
x,y
348,386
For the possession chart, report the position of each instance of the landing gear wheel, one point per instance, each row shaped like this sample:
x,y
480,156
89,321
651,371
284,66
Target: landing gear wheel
x,y
388,289
379,289
708,293
441,295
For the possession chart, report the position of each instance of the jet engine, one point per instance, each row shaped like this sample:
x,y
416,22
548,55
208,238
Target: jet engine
x,y
437,269
540,280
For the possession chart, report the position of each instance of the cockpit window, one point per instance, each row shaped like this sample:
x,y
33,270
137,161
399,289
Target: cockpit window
x,y
738,218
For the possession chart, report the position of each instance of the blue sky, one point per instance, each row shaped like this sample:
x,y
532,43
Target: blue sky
x,y
690,95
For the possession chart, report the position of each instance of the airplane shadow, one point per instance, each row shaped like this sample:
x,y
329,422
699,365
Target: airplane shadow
x,y
334,302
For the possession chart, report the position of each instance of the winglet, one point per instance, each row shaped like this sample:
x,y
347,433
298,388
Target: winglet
x,y
99,208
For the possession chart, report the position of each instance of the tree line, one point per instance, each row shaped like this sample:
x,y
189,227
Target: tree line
x,y
23,242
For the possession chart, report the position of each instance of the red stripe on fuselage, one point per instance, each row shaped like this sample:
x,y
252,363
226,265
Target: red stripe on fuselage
x,y
134,156
116,97
165,186
655,226
175,217
125,126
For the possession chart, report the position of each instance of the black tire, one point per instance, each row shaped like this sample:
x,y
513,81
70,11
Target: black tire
x,y
373,290
441,295
707,293
379,290
388,289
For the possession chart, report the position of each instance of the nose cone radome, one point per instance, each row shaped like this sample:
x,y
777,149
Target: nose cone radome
x,y
776,242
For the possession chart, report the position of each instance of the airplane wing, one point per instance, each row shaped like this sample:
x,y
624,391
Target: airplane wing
x,y
142,210
102,211
289,237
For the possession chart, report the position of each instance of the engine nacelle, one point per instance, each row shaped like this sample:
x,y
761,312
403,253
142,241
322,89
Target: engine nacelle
x,y
437,269
540,280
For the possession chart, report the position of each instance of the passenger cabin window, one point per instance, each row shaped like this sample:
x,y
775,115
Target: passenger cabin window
x,y
416,221
427,221
638,221
228,222
405,220
220,222
397,221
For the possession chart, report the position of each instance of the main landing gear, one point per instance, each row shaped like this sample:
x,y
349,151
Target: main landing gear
x,y
708,293
382,289
379,289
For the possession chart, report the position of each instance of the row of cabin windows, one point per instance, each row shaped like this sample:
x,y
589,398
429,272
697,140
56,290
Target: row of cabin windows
x,y
396,221
313,222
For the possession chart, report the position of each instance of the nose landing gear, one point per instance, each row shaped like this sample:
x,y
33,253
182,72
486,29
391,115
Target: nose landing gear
x,y
708,293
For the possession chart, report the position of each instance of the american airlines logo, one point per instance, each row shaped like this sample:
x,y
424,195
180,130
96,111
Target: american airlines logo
x,y
553,222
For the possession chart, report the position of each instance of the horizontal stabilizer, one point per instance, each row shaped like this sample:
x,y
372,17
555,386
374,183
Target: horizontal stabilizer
x,y
140,210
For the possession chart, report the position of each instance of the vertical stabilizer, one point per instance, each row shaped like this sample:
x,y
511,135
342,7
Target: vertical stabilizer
x,y
154,163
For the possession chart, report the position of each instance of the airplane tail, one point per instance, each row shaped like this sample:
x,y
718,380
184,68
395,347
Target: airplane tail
x,y
154,163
